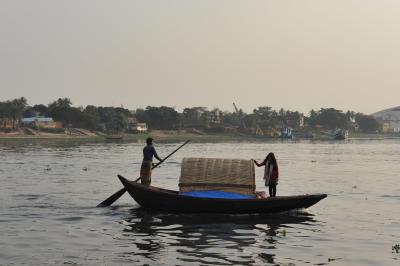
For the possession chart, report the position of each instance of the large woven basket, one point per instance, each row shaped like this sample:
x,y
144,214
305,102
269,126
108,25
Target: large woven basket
x,y
232,175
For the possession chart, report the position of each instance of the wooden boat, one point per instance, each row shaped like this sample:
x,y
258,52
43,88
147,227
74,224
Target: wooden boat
x,y
341,134
171,201
114,137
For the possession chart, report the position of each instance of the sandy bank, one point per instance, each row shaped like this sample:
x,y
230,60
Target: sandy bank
x,y
159,136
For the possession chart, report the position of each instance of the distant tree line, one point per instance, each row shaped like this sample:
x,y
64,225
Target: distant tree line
x,y
115,119
13,109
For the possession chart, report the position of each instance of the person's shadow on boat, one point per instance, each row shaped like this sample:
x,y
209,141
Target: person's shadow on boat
x,y
209,238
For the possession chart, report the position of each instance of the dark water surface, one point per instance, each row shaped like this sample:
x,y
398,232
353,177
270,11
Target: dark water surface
x,y
48,194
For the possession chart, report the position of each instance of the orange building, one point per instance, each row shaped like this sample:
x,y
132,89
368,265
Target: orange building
x,y
7,123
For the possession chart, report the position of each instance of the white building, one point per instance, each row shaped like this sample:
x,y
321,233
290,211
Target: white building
x,y
390,119
138,127
40,121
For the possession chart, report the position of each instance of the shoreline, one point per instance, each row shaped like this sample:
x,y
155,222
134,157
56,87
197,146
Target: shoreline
x,y
127,138
174,136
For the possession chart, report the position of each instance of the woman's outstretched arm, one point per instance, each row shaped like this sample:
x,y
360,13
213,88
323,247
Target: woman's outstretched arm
x,y
259,164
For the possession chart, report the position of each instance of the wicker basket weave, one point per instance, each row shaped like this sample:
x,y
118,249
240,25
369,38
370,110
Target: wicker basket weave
x,y
232,175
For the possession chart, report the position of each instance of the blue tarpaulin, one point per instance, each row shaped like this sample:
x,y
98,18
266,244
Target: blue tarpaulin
x,y
216,194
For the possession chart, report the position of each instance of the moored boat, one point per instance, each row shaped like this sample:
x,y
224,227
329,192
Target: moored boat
x,y
172,201
341,134
114,137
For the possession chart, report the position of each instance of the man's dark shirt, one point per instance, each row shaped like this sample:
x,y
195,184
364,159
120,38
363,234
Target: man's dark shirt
x,y
148,152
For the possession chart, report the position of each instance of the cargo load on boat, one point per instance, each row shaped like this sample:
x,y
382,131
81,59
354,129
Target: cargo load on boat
x,y
229,175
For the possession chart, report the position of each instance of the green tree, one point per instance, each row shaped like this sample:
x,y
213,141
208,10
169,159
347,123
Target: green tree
x,y
5,109
367,123
311,120
250,120
114,120
61,110
330,118
351,115
18,106
37,109
13,109
292,118
140,115
265,116
162,117
231,119
91,117
194,117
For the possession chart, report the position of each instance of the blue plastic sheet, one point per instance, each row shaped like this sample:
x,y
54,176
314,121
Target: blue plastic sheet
x,y
216,194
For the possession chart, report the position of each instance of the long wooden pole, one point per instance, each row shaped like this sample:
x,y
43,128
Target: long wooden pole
x,y
110,200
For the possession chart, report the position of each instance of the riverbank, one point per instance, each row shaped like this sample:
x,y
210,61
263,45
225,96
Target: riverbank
x,y
78,135
158,135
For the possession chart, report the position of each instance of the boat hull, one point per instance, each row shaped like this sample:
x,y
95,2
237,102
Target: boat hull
x,y
171,201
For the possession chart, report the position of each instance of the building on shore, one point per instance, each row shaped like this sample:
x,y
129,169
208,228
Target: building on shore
x,y
40,122
215,116
390,119
138,128
134,126
8,123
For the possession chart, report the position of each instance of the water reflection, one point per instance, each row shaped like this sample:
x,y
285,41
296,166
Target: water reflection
x,y
207,239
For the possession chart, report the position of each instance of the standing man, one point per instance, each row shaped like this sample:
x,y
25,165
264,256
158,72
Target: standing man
x,y
145,170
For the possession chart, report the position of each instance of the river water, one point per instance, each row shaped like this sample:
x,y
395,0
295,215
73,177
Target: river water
x,y
48,195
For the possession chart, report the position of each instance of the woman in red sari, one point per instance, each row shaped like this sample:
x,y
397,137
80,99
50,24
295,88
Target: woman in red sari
x,y
271,173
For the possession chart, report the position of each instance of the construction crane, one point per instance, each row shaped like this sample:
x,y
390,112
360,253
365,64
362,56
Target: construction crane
x,y
236,109
240,115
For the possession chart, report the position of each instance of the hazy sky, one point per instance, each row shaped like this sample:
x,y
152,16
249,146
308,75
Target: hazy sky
x,y
295,54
